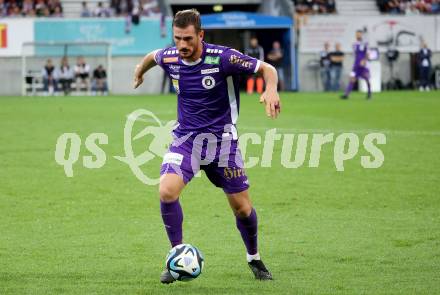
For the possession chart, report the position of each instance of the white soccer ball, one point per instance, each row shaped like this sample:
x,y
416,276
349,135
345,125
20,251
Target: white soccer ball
x,y
184,262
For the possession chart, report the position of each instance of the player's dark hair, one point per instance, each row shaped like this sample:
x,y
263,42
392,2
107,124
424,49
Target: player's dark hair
x,y
185,18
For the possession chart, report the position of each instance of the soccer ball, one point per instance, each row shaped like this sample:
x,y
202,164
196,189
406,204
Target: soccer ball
x,y
184,262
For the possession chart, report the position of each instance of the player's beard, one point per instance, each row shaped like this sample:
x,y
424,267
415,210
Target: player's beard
x,y
189,53
186,54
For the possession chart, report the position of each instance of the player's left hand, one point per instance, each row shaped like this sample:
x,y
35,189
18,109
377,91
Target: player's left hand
x,y
272,101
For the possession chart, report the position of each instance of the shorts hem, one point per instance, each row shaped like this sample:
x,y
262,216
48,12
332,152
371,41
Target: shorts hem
x,y
235,190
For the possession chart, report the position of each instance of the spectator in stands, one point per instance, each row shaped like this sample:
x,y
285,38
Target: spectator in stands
x,y
65,75
101,11
57,12
435,6
275,58
336,65
31,13
325,67
150,8
40,7
85,11
393,7
14,10
27,7
124,7
422,5
55,8
82,73
30,8
46,12
49,79
99,82
409,7
315,6
330,6
255,51
424,63
3,8
323,6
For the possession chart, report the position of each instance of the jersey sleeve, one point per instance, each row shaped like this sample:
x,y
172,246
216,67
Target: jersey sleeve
x,y
158,54
234,63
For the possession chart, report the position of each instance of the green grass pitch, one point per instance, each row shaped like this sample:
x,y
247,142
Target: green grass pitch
x,y
361,231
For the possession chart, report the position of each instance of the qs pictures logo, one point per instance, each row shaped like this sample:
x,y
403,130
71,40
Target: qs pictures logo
x,y
146,130
161,137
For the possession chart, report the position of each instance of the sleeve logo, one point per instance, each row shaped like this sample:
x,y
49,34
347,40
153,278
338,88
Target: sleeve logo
x,y
233,59
168,60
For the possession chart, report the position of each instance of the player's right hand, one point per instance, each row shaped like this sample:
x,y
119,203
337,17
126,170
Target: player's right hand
x,y
138,79
272,101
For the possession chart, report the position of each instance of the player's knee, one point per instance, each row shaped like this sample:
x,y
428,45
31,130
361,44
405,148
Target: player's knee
x,y
167,193
243,211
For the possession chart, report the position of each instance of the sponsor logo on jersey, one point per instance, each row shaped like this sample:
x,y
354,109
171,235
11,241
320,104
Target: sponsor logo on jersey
x,y
234,59
208,82
212,60
173,158
174,68
231,173
210,71
177,77
168,60
176,85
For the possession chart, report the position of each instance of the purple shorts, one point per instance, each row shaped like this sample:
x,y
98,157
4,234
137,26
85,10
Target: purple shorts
x,y
360,72
220,158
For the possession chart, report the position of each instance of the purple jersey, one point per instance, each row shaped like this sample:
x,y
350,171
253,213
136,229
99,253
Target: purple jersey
x,y
360,49
207,89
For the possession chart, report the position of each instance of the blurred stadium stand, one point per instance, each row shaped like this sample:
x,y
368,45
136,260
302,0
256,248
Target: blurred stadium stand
x,y
315,21
408,7
73,8
357,7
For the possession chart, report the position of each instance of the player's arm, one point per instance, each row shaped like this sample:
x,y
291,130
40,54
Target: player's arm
x,y
147,63
270,96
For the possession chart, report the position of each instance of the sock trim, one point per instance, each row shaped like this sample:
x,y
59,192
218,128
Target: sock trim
x,y
250,257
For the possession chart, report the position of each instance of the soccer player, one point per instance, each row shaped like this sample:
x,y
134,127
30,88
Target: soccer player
x,y
424,63
205,78
360,69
